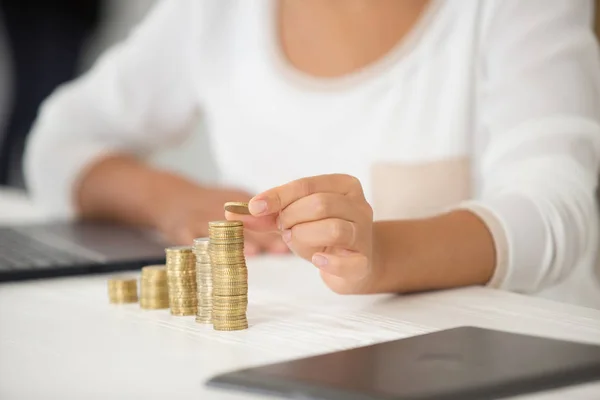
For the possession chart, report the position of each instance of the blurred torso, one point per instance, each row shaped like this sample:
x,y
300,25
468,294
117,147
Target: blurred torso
x,y
396,112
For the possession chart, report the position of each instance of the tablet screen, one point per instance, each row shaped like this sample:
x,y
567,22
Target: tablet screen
x,y
461,363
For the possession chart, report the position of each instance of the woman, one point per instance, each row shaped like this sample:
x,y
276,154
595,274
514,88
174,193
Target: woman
x,y
468,131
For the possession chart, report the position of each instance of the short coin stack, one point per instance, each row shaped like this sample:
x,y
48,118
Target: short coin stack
x,y
154,292
203,281
181,279
122,290
229,275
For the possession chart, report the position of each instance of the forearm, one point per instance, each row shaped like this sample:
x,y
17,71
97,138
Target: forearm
x,y
122,189
450,250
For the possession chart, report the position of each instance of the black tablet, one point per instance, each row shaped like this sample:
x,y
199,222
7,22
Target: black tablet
x,y
463,363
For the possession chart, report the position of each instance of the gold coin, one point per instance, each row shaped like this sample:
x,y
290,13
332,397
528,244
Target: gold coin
x,y
230,327
122,290
229,316
223,263
183,312
229,311
225,224
183,288
225,233
232,303
179,249
200,243
229,270
203,281
179,305
224,243
237,207
220,280
223,285
230,292
123,299
226,253
230,299
122,282
154,269
132,289
179,264
154,305
154,294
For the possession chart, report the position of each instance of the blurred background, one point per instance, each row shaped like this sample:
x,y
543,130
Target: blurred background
x,y
44,43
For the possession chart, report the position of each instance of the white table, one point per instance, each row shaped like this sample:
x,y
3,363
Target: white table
x,y
60,339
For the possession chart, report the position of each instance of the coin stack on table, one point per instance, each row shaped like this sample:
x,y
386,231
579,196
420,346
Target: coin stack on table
x,y
229,275
181,279
122,290
154,292
203,281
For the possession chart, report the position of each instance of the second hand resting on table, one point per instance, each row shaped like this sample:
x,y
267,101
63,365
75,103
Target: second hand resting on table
x,y
327,220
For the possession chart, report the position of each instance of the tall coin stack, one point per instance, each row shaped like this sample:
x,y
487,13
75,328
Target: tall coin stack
x,y
229,275
154,292
203,281
122,290
181,279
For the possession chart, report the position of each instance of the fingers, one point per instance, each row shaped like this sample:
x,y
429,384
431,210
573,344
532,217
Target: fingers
x,y
351,266
277,246
331,232
276,199
311,208
259,224
261,242
316,207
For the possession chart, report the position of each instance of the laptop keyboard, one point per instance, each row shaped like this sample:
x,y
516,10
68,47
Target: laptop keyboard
x,y
19,251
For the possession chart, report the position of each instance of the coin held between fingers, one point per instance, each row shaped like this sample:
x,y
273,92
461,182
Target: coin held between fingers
x,y
237,207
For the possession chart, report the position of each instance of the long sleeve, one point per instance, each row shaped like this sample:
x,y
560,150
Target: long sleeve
x,y
540,108
137,98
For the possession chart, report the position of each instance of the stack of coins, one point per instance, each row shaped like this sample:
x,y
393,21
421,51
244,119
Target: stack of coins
x,y
154,292
203,281
181,280
122,290
229,275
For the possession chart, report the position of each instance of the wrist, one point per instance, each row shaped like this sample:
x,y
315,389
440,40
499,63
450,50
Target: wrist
x,y
390,253
445,251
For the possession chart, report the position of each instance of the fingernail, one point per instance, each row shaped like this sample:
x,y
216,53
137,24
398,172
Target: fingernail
x,y
257,207
286,235
319,260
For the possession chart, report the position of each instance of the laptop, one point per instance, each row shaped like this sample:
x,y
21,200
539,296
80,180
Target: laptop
x,y
54,249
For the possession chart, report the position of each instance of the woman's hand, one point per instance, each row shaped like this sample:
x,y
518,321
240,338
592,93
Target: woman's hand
x,y
185,209
326,220
122,189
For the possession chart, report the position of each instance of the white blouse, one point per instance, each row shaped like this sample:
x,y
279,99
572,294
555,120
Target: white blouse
x,y
491,105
